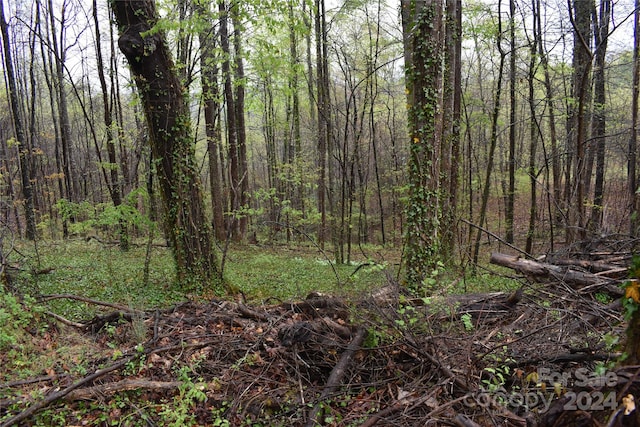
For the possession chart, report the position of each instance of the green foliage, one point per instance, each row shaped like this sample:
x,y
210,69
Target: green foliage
x,y
498,373
180,412
467,321
15,315
85,218
105,273
282,275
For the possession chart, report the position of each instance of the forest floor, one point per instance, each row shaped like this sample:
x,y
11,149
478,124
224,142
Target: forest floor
x,y
546,354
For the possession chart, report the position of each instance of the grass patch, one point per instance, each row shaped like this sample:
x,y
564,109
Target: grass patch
x,y
288,274
104,272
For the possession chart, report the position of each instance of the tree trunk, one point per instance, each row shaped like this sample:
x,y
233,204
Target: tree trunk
x,y
511,192
632,182
533,137
210,96
451,137
113,182
492,147
241,133
23,145
232,135
423,33
168,118
581,21
599,120
67,160
554,196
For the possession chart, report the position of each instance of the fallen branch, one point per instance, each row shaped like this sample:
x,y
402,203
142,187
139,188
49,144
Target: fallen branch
x,y
90,378
45,298
336,376
62,393
123,385
251,314
540,270
65,320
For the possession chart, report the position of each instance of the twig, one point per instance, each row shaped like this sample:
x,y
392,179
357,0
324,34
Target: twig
x,y
126,384
65,321
45,298
90,378
41,379
62,393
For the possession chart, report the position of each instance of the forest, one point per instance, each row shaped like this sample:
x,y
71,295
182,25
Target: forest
x,y
298,122
418,151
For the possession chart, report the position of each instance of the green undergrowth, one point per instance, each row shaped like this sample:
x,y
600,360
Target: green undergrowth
x,y
103,272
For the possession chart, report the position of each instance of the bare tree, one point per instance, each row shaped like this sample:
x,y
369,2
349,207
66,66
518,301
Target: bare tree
x,y
23,145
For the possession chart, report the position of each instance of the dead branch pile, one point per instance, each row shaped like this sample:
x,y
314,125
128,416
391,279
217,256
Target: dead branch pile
x,y
495,359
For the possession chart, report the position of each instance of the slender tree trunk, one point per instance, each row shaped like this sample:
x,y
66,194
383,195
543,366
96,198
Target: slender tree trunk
x,y
210,96
632,179
533,138
59,56
240,119
322,122
50,79
232,134
451,136
554,197
168,117
511,192
294,192
599,120
23,145
581,20
113,182
493,142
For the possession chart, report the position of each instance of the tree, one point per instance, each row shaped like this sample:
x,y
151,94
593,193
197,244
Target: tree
x,y
511,192
424,35
576,120
599,119
632,184
169,123
211,104
111,179
23,145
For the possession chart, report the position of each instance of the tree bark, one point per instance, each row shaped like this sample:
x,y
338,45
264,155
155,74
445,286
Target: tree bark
x,y
599,119
632,182
424,36
169,123
23,145
240,119
112,181
533,134
210,96
511,192
581,21
322,127
232,127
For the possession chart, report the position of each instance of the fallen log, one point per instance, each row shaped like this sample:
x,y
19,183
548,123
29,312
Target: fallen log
x,y
539,271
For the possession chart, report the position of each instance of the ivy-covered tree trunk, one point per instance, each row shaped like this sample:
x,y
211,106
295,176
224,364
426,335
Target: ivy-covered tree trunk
x,y
425,30
169,123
